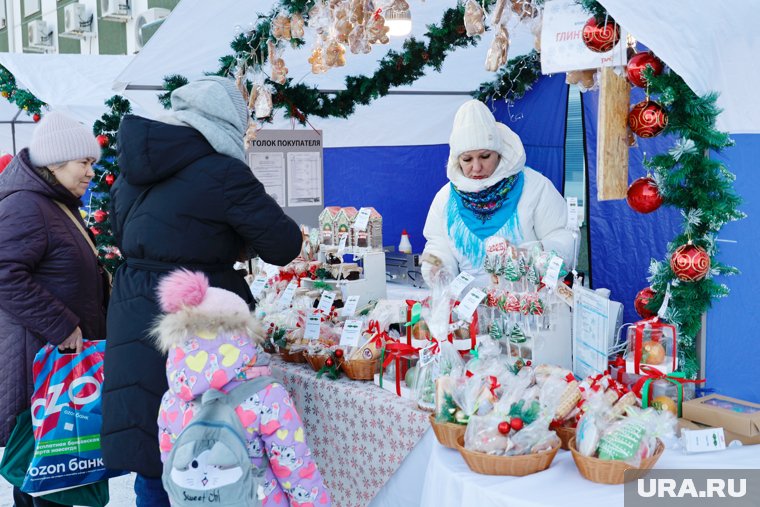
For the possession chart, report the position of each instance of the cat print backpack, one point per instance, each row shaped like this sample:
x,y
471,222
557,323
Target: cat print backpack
x,y
209,464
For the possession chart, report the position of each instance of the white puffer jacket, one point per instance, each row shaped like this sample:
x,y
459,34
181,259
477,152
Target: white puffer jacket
x,y
541,212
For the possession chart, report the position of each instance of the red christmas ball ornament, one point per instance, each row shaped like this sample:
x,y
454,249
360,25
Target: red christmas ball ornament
x,y
329,362
516,423
36,117
103,140
6,94
110,255
4,161
690,262
600,38
643,298
110,178
638,63
644,195
95,231
339,353
504,427
647,118
100,216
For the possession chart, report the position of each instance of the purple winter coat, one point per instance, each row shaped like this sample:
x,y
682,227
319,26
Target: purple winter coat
x,y
50,281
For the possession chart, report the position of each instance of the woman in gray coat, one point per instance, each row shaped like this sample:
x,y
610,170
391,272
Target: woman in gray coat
x,y
51,285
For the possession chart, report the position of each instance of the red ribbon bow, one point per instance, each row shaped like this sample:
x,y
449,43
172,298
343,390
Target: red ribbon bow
x,y
493,385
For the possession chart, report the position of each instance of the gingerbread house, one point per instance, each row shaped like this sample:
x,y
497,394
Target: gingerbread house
x,y
327,218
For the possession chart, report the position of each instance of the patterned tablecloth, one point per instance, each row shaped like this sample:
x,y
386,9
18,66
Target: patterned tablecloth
x,y
359,434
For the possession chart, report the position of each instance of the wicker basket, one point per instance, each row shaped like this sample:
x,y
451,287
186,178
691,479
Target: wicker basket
x,y
360,369
610,471
316,362
565,434
447,433
527,464
296,357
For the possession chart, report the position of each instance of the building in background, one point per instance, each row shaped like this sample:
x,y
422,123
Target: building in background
x,y
111,27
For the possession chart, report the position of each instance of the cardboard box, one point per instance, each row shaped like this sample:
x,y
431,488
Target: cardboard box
x,y
730,436
740,419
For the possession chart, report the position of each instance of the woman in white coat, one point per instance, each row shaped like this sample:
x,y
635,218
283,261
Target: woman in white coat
x,y
491,193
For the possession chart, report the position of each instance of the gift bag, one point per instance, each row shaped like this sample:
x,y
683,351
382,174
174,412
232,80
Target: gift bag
x,y
66,420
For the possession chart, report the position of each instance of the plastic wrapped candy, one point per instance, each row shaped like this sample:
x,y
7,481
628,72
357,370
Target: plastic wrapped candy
x,y
483,435
474,18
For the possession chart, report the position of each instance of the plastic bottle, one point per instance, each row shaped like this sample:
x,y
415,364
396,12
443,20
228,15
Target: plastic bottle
x,y
405,246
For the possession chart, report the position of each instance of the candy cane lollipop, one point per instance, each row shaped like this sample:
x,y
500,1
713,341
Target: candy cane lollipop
x,y
496,248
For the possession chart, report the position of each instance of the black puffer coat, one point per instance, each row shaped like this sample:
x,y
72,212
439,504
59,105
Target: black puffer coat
x,y
177,203
50,281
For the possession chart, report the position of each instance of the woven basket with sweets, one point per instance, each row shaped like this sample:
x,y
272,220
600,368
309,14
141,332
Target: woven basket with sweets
x,y
565,434
316,361
611,471
447,433
360,369
519,466
292,357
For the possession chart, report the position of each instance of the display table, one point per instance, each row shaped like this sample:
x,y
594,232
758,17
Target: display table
x,y
450,483
359,435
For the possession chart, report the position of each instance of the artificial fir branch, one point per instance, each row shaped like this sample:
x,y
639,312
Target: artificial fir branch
x,y
15,95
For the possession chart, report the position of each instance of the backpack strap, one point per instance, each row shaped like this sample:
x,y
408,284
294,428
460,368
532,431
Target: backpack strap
x,y
247,389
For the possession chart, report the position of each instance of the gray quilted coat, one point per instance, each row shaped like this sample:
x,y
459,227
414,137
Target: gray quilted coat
x,y
50,281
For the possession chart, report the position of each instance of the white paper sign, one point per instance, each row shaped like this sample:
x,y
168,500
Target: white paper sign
x,y
362,219
470,303
258,285
427,355
562,47
286,299
352,333
572,213
460,283
349,307
591,316
552,272
312,326
711,439
326,301
269,169
342,242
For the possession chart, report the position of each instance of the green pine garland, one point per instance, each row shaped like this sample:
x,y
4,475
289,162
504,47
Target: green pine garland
x,y
703,189
107,169
15,95
514,80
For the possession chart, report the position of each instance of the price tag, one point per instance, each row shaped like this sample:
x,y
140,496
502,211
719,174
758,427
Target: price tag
x,y
326,301
286,299
460,283
349,308
470,303
362,219
258,285
572,213
270,269
552,272
352,333
427,355
342,242
711,439
312,326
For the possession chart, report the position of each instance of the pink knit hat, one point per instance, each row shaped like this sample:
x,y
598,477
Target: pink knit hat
x,y
188,290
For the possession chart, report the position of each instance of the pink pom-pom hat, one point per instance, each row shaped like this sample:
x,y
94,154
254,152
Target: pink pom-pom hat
x,y
183,289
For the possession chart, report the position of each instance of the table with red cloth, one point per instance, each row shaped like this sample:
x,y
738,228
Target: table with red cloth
x,y
359,434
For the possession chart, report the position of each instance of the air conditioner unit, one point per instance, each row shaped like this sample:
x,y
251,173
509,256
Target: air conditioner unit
x,y
148,24
40,35
116,10
77,21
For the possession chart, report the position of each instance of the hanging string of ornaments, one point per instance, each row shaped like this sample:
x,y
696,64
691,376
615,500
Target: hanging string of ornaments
x,y
685,177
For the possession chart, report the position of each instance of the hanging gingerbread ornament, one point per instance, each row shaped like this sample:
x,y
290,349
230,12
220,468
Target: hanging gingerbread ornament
x,y
342,25
279,72
319,19
638,63
497,53
356,8
377,32
498,10
357,41
690,262
335,54
474,18
296,26
317,61
250,134
600,38
263,104
585,79
647,118
644,195
643,298
281,27
524,8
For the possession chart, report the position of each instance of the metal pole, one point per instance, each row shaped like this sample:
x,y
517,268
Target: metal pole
x,y
13,130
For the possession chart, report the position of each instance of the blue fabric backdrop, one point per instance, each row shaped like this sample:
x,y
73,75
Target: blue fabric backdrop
x,y
401,181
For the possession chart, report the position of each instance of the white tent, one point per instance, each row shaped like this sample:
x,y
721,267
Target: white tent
x,y
15,127
198,33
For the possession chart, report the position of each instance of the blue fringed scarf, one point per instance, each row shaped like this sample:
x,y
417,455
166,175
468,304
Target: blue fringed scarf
x,y
473,218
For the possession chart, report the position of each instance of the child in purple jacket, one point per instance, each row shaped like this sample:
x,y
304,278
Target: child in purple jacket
x,y
212,343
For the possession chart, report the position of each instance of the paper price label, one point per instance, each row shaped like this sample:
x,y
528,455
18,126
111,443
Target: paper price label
x,y
258,285
362,219
460,283
270,269
552,272
342,242
572,213
312,326
349,308
326,301
286,299
427,355
711,439
352,333
663,311
470,303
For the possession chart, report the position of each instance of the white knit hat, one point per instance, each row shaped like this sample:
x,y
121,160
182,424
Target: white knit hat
x,y
57,139
474,129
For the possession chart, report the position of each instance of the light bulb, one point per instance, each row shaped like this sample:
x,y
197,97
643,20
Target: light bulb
x,y
398,21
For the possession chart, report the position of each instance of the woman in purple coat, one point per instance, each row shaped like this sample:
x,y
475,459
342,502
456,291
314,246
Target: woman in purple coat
x,y
52,288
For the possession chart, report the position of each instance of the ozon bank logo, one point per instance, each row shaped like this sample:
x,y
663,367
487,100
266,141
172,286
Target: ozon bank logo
x,y
690,488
